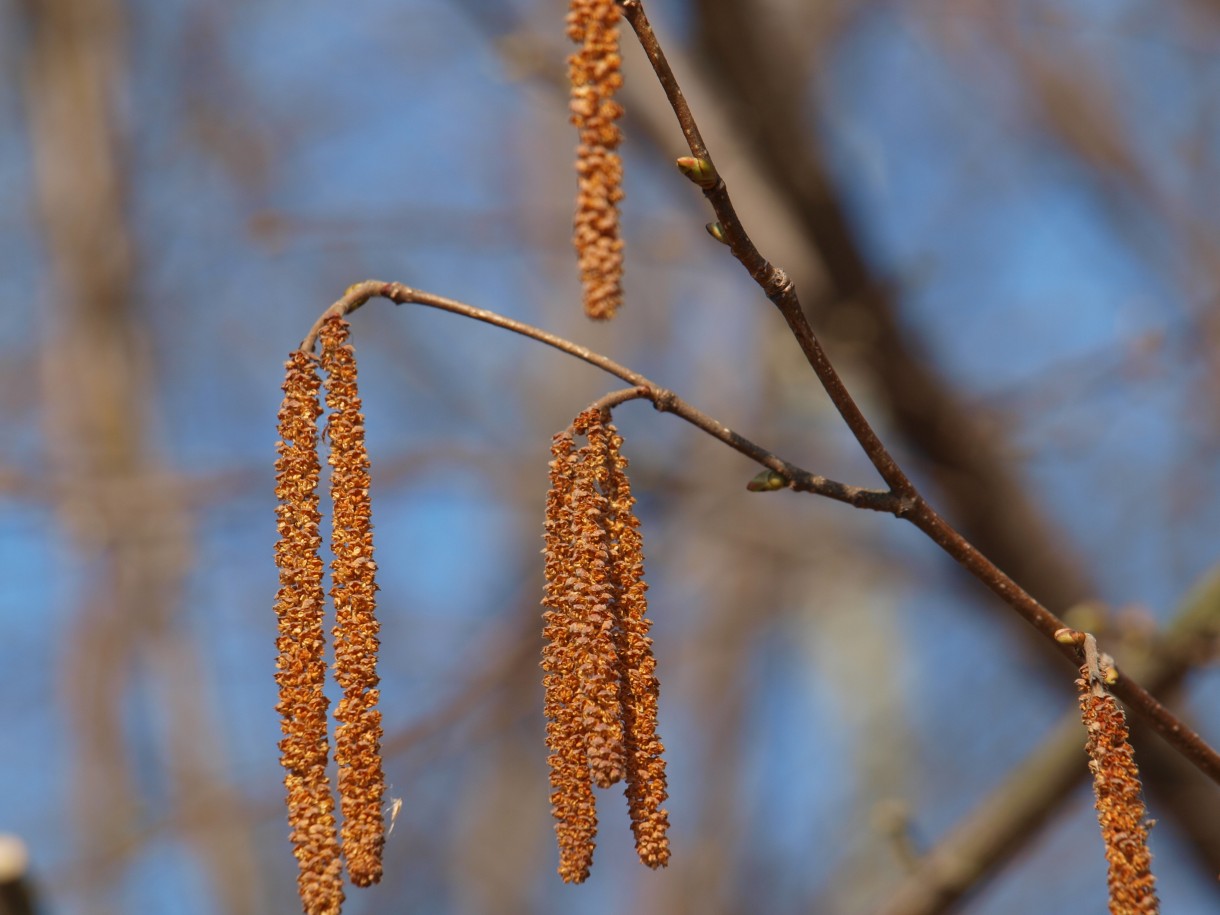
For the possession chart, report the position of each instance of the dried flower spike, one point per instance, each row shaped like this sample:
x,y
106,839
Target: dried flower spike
x,y
593,601
572,800
358,736
646,779
595,74
1116,785
601,687
301,666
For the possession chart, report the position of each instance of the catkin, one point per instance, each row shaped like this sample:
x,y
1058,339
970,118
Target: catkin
x,y
572,802
594,610
646,780
301,666
358,735
600,680
1120,805
595,75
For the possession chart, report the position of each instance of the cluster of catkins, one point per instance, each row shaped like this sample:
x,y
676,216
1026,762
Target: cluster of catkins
x,y
600,680
300,605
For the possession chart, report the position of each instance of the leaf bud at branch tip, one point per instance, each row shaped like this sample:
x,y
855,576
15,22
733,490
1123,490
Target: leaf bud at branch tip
x,y
716,230
700,171
767,481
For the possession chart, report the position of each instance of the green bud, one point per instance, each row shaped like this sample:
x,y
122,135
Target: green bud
x,y
1068,636
716,230
700,171
767,481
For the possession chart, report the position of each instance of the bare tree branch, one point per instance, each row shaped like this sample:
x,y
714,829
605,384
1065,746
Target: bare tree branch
x,y
908,504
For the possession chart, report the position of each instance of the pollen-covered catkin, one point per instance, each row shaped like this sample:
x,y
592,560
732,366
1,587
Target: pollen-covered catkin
x,y
600,679
594,608
572,802
647,786
1120,805
353,588
595,75
301,666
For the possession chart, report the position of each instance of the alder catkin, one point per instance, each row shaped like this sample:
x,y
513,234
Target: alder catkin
x,y
600,681
594,611
353,588
301,666
647,787
1120,805
572,802
595,75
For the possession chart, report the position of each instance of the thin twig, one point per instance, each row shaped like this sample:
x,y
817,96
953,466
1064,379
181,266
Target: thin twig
x,y
1034,790
775,283
777,286
913,507
608,402
1139,700
666,401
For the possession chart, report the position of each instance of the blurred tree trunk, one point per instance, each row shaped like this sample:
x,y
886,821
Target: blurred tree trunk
x,y
117,500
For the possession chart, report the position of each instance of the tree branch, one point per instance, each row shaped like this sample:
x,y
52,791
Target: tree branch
x,y
996,829
910,506
666,401
776,285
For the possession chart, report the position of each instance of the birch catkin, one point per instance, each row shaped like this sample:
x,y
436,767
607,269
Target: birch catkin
x,y
572,802
301,666
358,736
595,75
646,779
1120,804
600,681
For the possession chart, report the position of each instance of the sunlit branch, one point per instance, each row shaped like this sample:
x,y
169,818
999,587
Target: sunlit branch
x,y
663,400
779,288
775,283
1036,787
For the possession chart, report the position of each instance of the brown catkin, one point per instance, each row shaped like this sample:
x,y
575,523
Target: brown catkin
x,y
595,75
301,666
358,735
1120,805
646,780
572,800
600,675
592,600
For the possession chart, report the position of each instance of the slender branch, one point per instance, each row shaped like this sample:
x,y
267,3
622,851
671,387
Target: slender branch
x,y
998,828
910,506
608,402
775,283
1139,700
666,401
777,286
